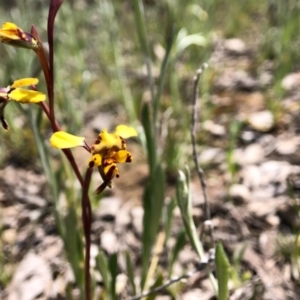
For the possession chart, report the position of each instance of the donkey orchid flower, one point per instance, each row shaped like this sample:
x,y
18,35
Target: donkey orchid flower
x,y
107,150
15,92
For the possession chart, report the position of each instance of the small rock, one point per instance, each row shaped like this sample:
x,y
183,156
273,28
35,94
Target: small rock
x,y
273,220
109,242
32,278
212,156
237,80
137,214
287,146
123,218
235,46
262,121
109,207
9,236
239,193
93,254
263,207
268,179
253,154
291,81
214,128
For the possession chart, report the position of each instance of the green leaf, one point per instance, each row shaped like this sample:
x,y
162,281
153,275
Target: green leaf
x,y
153,202
180,242
168,217
130,272
223,269
113,268
102,266
150,141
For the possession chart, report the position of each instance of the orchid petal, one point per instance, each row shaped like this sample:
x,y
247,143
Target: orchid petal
x,y
95,160
64,140
125,131
26,96
122,156
24,82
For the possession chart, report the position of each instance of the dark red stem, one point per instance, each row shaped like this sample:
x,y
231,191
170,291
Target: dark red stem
x,y
87,222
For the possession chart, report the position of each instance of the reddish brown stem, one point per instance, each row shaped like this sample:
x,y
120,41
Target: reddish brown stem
x,y
87,221
67,152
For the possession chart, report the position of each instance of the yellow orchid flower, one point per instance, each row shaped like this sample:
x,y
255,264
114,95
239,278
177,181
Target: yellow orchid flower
x,y
108,150
12,35
15,92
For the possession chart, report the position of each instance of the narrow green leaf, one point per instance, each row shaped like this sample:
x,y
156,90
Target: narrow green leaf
x,y
130,272
153,202
102,266
180,242
168,217
150,141
223,268
113,268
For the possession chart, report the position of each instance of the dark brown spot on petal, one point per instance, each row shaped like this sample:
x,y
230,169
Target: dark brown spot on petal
x,y
128,158
110,173
97,141
123,143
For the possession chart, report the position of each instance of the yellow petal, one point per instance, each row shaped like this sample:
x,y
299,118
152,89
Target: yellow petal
x,y
111,171
24,82
122,156
107,141
64,140
125,131
95,160
26,96
110,139
9,31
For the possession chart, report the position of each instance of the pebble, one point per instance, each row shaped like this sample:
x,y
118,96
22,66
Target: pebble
x,y
109,242
239,193
137,214
287,146
291,81
32,278
212,156
214,128
252,154
262,121
108,208
235,46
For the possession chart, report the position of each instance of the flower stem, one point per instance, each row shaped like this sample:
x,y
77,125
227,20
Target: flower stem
x,y
87,221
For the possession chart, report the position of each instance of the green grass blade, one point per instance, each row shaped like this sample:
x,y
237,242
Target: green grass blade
x,y
180,242
130,272
223,269
102,266
150,141
153,202
113,268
